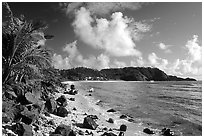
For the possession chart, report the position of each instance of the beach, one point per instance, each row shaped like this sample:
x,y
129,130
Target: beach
x,y
84,105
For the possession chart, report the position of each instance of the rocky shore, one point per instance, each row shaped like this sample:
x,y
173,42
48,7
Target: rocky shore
x,y
75,114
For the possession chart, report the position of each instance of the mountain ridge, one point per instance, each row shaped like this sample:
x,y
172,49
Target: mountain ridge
x,y
125,74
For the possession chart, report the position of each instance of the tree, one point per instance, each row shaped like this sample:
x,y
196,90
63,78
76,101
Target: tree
x,y
22,52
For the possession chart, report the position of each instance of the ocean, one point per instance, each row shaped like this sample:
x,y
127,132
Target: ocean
x,y
174,105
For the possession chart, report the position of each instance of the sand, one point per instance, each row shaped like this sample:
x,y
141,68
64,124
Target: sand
x,y
87,105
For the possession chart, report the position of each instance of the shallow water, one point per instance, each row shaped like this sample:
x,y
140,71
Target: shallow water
x,y
176,105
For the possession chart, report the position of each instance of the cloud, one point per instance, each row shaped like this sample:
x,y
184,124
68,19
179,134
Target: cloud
x,y
118,64
114,36
190,66
100,8
75,59
155,61
164,47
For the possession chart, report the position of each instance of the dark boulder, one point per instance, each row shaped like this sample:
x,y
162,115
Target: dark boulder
x,y
167,132
89,123
108,134
64,130
62,112
110,120
148,131
62,101
123,116
123,128
131,120
51,106
111,110
72,99
22,129
29,116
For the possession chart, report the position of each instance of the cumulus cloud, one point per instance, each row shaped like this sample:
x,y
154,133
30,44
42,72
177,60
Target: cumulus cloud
x,y
100,8
114,36
75,59
192,65
164,47
155,61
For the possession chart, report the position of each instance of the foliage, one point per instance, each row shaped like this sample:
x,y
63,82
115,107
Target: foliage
x,y
22,54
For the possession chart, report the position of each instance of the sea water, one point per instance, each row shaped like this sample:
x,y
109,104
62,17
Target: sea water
x,y
174,105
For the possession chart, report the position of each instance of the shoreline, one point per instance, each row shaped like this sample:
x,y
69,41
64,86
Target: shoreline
x,y
88,105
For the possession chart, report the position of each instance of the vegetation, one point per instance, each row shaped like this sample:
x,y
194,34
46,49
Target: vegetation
x,y
126,74
28,78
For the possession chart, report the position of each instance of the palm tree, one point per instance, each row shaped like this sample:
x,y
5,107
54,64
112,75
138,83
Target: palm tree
x,y
22,53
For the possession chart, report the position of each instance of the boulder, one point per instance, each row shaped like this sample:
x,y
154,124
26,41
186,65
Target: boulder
x,y
93,116
110,120
111,110
62,101
123,128
131,120
72,99
29,116
123,116
108,134
64,130
22,129
167,132
5,118
89,123
148,131
51,106
62,112
28,130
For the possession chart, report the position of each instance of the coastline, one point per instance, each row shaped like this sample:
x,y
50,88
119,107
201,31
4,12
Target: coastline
x,y
87,105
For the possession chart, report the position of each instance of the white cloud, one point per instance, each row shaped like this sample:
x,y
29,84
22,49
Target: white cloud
x,y
118,64
100,8
75,59
155,61
114,36
192,65
164,47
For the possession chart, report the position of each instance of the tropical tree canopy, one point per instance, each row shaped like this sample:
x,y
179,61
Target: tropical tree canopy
x,y
23,50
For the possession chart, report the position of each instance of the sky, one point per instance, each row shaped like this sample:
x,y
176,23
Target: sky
x,y
166,35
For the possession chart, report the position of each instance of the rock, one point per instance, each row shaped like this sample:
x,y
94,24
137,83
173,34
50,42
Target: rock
x,y
81,132
28,130
110,120
72,133
108,134
62,112
131,120
64,130
148,131
93,116
91,90
36,127
89,123
22,129
62,101
110,129
18,129
123,128
29,116
167,132
89,94
123,116
5,118
74,109
51,106
51,122
111,110
72,99
105,128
